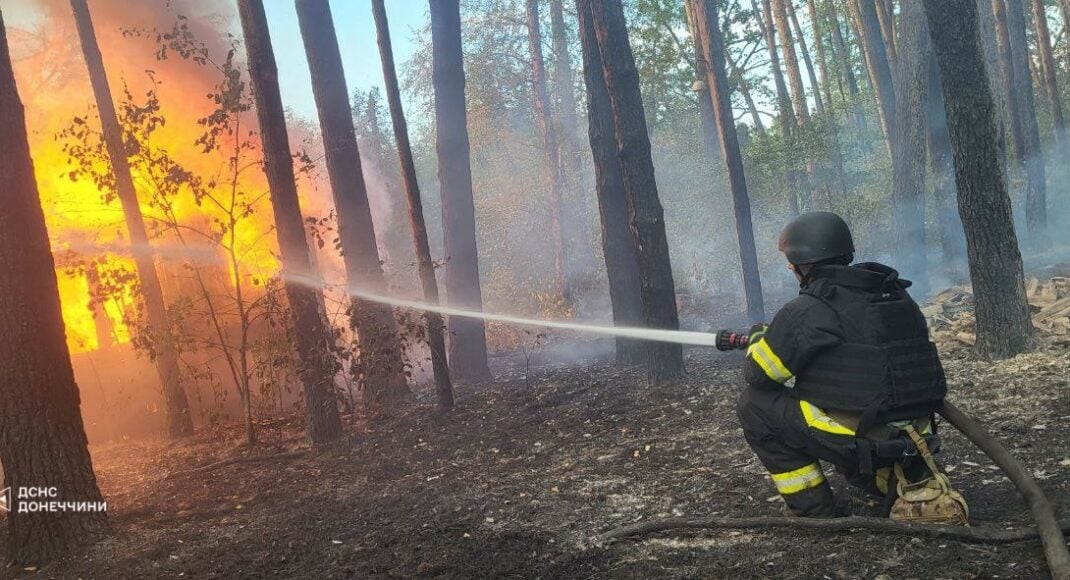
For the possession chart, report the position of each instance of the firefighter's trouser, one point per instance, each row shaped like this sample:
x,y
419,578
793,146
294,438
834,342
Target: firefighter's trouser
x,y
791,438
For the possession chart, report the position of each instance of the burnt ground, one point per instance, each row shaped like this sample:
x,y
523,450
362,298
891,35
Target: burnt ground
x,y
532,466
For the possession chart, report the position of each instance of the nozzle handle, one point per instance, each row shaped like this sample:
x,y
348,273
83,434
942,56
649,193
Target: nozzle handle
x,y
732,340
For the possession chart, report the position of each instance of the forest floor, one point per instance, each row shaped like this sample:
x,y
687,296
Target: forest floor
x,y
532,466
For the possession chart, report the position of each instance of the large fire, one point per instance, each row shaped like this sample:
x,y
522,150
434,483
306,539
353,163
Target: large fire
x,y
55,89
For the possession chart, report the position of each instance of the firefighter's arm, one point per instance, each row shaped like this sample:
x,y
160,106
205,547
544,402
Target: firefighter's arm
x,y
798,333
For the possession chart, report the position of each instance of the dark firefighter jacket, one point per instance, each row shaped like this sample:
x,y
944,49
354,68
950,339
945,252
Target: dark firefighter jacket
x,y
852,342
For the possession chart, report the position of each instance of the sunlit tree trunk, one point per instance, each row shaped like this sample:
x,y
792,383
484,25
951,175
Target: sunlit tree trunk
x,y
791,61
908,156
701,86
42,438
468,340
819,47
555,176
712,42
768,32
880,72
380,350
842,55
1036,211
665,361
819,104
1047,60
1004,327
179,421
622,265
886,17
435,339
310,331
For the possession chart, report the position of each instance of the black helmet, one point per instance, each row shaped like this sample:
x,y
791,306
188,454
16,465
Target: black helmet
x,y
815,237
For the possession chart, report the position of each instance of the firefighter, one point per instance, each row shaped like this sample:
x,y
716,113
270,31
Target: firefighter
x,y
846,374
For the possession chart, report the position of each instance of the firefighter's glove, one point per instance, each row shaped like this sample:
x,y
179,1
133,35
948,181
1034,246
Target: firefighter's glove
x,y
757,332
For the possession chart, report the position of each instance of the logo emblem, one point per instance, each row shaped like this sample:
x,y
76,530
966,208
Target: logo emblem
x,y
5,500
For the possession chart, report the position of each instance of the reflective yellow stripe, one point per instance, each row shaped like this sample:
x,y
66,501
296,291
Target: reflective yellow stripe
x,y
817,419
769,361
800,479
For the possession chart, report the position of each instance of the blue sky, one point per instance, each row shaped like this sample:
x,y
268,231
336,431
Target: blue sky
x,y
356,37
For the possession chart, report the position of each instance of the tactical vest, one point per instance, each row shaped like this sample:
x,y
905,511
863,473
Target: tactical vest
x,y
887,369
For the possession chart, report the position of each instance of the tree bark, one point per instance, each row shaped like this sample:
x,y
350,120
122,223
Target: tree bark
x,y
622,265
768,32
658,290
1036,212
952,242
42,438
791,61
555,175
380,360
435,339
880,72
819,47
819,104
886,17
709,25
468,340
566,91
311,333
842,54
1004,327
179,421
701,87
908,158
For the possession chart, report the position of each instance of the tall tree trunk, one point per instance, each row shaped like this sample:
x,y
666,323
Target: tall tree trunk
x,y
791,61
952,242
819,104
179,421
1036,203
908,158
843,61
886,17
880,72
435,339
380,349
565,85
768,31
1004,327
709,25
819,47
665,361
622,265
555,175
1047,59
990,44
42,438
468,340
701,87
311,333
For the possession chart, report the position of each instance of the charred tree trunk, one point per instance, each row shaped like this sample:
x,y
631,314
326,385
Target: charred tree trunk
x,y
665,361
709,25
1036,204
622,265
380,360
1004,327
42,438
880,72
819,47
556,178
435,339
819,104
179,421
842,54
468,340
908,157
952,242
791,61
312,335
565,85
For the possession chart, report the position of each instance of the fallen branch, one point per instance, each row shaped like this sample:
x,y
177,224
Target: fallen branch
x,y
979,535
233,460
1049,529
